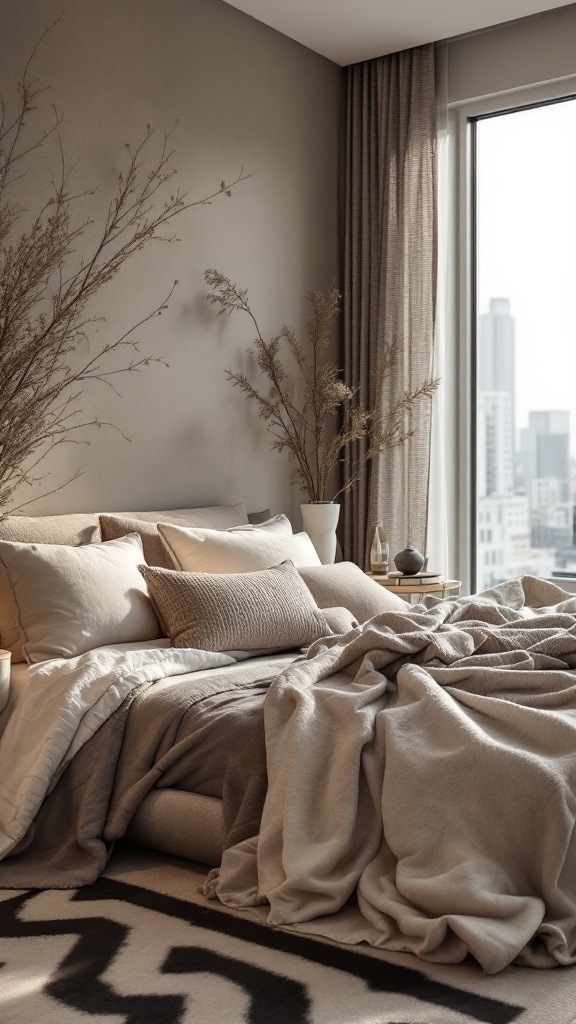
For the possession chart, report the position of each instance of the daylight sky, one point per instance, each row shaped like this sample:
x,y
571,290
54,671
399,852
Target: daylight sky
x,y
527,247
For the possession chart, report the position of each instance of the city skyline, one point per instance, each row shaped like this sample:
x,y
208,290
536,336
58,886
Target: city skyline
x,y
526,218
525,504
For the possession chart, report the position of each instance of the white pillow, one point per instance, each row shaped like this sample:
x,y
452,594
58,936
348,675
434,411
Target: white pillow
x,y
63,601
277,524
236,550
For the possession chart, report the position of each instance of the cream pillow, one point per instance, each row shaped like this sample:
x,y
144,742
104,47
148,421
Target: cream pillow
x,y
66,600
234,551
116,525
270,609
275,524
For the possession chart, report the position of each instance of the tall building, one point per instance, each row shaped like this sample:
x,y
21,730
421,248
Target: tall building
x,y
495,400
545,455
545,447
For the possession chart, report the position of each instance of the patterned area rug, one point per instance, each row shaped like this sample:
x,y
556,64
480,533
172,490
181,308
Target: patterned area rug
x,y
142,946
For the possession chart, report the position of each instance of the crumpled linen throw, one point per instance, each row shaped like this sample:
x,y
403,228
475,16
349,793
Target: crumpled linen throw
x,y
422,784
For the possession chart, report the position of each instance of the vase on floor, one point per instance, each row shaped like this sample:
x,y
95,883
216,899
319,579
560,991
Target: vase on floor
x,y
320,519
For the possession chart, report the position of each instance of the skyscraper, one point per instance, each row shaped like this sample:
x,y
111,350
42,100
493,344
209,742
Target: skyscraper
x,y
495,400
546,447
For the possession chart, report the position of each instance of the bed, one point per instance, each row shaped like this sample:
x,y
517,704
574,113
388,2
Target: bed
x,y
174,820
402,776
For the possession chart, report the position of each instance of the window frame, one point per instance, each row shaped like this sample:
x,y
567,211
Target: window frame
x,y
460,329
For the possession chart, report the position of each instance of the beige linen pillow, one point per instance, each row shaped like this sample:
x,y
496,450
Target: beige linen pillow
x,y
345,584
246,611
67,600
76,528
113,526
212,517
255,518
216,551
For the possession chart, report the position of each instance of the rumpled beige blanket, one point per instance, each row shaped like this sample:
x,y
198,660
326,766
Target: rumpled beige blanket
x,y
422,784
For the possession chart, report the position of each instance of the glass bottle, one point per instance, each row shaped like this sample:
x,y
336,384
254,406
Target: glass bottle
x,y
379,551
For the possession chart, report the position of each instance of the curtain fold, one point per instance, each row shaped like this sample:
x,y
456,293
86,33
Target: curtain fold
x,y
390,267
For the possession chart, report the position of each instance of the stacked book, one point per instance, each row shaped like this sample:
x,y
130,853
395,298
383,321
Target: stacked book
x,y
401,579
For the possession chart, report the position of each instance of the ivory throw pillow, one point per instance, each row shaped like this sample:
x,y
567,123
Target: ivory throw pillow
x,y
216,551
246,611
345,584
274,524
115,525
67,600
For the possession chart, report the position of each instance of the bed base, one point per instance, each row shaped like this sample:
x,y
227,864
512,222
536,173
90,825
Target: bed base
x,y
183,824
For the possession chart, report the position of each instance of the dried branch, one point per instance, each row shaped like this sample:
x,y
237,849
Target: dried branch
x,y
328,419
47,289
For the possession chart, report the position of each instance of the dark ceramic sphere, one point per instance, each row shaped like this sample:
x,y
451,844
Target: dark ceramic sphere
x,y
409,561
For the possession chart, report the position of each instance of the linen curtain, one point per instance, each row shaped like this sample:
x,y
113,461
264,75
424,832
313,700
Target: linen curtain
x,y
390,267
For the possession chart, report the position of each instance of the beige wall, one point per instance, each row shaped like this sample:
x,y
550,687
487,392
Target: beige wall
x,y
242,95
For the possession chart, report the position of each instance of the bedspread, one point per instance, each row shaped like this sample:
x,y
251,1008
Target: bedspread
x,y
92,735
422,784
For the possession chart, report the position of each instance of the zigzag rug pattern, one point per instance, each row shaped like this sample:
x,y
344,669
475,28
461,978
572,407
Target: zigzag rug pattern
x,y
119,953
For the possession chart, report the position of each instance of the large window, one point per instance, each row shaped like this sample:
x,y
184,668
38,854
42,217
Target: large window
x,y
524,309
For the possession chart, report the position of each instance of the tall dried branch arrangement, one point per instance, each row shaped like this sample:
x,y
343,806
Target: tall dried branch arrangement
x,y
317,416
53,262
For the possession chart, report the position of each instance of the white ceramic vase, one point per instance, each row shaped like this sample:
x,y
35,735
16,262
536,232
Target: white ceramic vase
x,y
320,519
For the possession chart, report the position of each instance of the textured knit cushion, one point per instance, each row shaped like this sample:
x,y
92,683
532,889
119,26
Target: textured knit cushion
x,y
270,609
67,600
234,551
345,584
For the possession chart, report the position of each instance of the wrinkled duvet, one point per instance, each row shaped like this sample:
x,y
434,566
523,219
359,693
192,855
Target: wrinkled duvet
x,y
413,785
422,784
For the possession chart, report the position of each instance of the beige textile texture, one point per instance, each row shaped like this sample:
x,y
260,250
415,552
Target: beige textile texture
x,y
390,280
75,528
63,600
442,747
180,823
339,619
245,611
216,551
345,584
114,526
64,709
83,528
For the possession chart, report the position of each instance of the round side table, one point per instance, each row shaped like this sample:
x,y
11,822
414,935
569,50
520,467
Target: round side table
x,y
410,590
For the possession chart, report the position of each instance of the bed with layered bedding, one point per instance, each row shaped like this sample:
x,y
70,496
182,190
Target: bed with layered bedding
x,y
367,770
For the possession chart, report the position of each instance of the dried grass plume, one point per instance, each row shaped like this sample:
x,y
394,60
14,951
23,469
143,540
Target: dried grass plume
x,y
317,417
